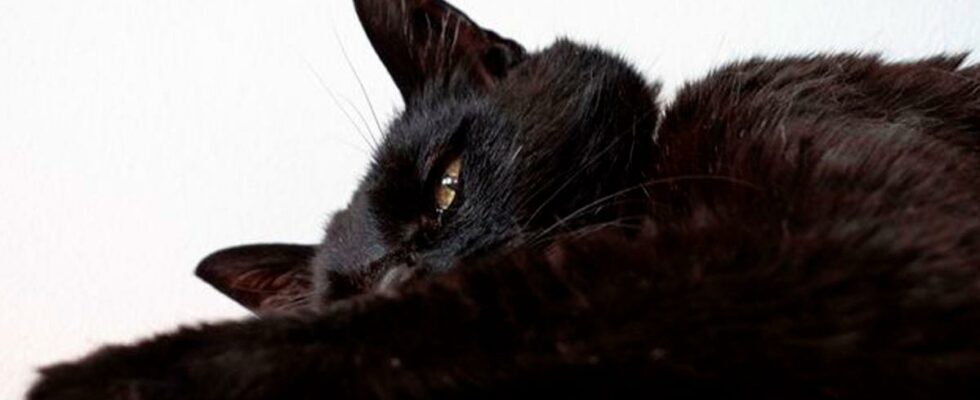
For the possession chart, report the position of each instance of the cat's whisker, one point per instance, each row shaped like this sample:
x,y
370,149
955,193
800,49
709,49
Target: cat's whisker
x,y
367,127
360,83
336,101
572,178
603,201
595,158
585,231
543,234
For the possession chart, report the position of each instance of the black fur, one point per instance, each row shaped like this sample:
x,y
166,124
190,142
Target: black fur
x,y
801,227
565,128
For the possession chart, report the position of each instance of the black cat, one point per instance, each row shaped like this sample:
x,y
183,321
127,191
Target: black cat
x,y
533,224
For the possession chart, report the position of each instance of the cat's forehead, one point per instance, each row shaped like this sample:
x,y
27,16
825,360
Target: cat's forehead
x,y
558,87
440,123
562,73
566,66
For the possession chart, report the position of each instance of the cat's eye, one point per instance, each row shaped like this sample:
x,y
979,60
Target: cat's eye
x,y
447,187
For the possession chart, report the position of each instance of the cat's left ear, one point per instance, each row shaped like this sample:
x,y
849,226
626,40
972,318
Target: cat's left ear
x,y
428,41
263,277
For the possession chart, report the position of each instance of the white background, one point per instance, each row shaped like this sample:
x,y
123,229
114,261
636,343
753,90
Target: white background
x,y
138,136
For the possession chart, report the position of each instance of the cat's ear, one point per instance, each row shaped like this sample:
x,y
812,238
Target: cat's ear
x,y
422,41
262,277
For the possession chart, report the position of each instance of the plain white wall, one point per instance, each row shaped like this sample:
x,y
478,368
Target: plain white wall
x,y
138,136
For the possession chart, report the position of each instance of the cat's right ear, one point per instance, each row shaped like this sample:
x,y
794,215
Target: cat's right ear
x,y
426,41
262,277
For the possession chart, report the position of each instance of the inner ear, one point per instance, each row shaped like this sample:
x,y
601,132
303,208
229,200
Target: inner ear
x,y
263,277
423,42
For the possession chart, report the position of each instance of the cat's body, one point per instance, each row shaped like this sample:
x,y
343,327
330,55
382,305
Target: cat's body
x,y
803,228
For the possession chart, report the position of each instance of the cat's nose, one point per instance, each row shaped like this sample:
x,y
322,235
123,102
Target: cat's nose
x,y
395,278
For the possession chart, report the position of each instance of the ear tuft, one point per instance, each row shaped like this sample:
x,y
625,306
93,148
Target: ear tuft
x,y
264,277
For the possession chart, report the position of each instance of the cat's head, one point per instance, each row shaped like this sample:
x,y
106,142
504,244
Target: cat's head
x,y
496,148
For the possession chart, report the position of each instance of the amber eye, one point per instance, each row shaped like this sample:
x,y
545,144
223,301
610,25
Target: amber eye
x,y
447,186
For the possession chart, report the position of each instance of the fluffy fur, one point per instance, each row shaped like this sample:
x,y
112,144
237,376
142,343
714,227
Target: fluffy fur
x,y
800,227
